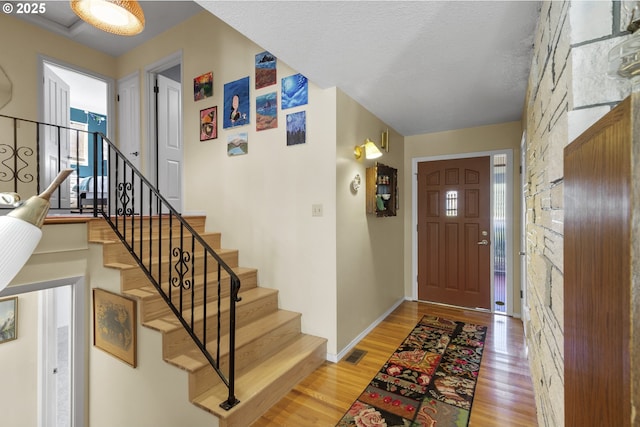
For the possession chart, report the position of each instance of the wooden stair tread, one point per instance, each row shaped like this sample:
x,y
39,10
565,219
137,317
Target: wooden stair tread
x,y
253,382
244,335
170,323
133,264
146,238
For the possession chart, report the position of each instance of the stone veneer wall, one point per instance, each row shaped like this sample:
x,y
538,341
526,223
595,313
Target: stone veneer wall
x,y
568,91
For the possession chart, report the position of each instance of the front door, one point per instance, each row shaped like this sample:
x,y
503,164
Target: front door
x,y
454,248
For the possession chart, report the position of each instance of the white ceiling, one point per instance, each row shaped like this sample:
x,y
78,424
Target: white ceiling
x,y
420,66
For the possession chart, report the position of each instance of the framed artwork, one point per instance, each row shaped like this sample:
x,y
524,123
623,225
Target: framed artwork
x,y
267,111
8,319
297,128
209,123
238,144
265,70
203,86
236,103
114,325
295,91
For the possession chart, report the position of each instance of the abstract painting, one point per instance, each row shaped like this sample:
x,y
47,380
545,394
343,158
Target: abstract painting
x,y
114,325
203,86
296,128
238,144
295,91
267,111
236,103
209,123
265,70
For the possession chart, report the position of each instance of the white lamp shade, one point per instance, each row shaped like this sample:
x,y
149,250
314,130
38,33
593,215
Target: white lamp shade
x,y
18,240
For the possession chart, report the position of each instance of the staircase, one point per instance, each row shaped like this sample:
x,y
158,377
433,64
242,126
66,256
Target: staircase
x,y
272,355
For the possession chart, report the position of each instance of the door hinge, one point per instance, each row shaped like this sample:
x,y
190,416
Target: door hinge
x,y
520,169
521,295
117,98
156,89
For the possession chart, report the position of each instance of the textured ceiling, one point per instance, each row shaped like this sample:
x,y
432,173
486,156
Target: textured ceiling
x,y
420,66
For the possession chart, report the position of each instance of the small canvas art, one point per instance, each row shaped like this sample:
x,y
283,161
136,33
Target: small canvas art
x,y
209,123
297,128
203,86
236,103
295,91
265,70
8,319
238,144
267,111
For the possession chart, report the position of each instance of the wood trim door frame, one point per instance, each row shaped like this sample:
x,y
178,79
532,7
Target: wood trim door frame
x,y
509,220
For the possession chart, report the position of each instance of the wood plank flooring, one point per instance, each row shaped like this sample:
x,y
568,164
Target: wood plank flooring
x,y
504,393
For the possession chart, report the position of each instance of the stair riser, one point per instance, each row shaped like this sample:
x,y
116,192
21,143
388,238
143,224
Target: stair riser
x,y
100,230
247,355
175,342
156,307
116,252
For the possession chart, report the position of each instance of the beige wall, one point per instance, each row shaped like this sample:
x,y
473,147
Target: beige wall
x,y
471,140
369,249
261,202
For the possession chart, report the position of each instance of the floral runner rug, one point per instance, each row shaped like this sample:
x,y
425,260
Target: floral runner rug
x,y
428,381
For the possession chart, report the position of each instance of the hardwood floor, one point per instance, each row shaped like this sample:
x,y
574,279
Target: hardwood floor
x,y
504,393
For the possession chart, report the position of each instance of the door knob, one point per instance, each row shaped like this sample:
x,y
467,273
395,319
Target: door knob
x,y
483,242
135,153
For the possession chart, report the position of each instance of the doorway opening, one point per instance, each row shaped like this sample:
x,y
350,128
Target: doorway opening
x,y
164,128
74,99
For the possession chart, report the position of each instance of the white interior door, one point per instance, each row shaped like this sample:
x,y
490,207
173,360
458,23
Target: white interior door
x,y
55,152
169,133
129,131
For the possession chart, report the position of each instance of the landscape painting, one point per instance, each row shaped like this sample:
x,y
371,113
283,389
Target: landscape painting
x,y
267,111
297,128
8,319
295,91
236,103
238,144
265,70
203,86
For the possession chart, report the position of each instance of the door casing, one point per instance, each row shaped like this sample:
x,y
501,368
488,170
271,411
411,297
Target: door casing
x,y
509,219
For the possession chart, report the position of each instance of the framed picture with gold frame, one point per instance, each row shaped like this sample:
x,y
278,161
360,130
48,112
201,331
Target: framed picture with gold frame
x,y
115,325
8,319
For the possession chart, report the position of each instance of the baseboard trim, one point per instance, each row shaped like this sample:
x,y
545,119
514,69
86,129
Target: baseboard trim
x,y
331,357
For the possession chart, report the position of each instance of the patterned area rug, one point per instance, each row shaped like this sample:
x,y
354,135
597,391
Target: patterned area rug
x,y
428,381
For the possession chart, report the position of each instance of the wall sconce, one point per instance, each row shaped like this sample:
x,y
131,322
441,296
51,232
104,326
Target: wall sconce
x,y
20,229
121,17
371,151
384,140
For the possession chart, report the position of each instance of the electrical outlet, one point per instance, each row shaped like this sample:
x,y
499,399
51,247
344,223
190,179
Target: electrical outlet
x,y
316,210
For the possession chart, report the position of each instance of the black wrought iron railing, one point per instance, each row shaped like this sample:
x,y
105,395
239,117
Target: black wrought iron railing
x,y
200,288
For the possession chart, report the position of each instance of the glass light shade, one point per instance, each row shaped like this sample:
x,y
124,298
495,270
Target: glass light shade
x,y
371,151
18,241
119,17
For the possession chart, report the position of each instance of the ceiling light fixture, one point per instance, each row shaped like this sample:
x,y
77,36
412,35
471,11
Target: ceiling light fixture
x,y
20,229
121,17
371,151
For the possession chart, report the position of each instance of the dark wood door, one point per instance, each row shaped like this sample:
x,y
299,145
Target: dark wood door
x,y
454,248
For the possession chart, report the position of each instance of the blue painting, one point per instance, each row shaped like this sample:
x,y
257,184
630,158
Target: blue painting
x,y
267,111
296,128
295,91
265,70
238,144
236,103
